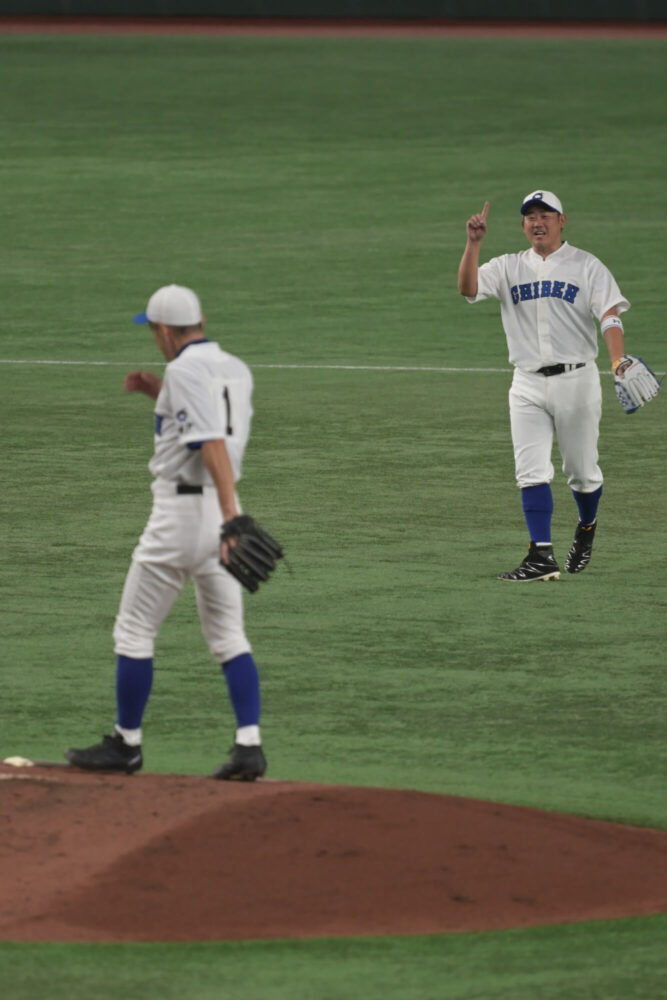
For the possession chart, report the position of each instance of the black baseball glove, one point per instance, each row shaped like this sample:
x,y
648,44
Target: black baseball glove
x,y
251,552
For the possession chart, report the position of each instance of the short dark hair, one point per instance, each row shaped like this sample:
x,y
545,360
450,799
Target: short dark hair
x,y
185,331
180,331
538,203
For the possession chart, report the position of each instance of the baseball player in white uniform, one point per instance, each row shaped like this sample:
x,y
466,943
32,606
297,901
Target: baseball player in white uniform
x,y
550,296
203,412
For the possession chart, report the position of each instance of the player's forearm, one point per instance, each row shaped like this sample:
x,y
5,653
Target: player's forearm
x,y
468,270
615,343
613,335
216,460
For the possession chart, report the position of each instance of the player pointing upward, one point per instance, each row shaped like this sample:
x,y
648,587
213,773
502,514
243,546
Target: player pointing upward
x,y
550,297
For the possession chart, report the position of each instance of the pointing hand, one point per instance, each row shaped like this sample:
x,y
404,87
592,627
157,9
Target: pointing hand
x,y
476,225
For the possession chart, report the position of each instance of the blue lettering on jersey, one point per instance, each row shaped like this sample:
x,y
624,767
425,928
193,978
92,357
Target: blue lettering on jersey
x,y
544,290
158,423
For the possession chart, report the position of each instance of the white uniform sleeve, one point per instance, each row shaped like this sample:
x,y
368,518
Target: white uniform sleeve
x,y
604,292
488,280
198,406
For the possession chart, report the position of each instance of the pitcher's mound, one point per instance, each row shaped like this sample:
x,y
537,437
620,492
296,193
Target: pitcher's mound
x,y
87,857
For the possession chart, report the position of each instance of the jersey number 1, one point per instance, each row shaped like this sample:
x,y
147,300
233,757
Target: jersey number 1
x,y
228,408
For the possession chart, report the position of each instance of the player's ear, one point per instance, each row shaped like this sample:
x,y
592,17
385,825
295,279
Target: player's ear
x,y
164,339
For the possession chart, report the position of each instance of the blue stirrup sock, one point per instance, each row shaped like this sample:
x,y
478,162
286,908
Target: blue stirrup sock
x,y
587,504
243,685
134,679
538,506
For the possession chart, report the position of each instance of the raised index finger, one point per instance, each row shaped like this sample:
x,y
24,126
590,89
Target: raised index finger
x,y
485,210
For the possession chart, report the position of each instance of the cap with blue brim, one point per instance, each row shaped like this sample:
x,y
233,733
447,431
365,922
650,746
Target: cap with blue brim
x,y
173,305
546,198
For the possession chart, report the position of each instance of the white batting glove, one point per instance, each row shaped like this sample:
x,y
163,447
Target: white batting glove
x,y
634,382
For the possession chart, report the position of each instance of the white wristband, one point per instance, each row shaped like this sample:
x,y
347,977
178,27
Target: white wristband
x,y
610,321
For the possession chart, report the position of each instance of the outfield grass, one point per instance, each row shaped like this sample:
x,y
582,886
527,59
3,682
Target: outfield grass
x,y
315,193
391,643
615,960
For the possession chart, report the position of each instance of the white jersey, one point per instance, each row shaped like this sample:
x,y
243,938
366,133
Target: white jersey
x,y
548,306
205,396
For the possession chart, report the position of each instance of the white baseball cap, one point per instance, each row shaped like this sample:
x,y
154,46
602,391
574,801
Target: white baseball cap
x,y
547,198
173,305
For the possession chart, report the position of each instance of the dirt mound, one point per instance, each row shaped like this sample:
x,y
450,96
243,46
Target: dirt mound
x,y
87,857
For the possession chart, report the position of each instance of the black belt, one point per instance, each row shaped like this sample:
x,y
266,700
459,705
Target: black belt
x,y
187,488
559,369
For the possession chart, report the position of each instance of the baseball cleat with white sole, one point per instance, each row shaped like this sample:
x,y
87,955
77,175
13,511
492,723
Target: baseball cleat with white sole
x,y
539,564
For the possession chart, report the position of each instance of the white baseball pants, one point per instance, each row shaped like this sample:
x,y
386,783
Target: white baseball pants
x,y
567,405
181,540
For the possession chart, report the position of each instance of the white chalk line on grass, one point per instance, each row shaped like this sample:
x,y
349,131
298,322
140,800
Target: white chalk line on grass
x,y
295,367
32,361
383,368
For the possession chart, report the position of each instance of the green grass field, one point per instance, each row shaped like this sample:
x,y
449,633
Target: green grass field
x,y
315,193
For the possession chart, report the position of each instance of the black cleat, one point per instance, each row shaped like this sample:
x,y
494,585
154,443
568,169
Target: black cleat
x,y
579,555
539,564
245,764
112,754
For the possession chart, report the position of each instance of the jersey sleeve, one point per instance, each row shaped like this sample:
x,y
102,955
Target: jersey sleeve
x,y
488,281
198,407
604,293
